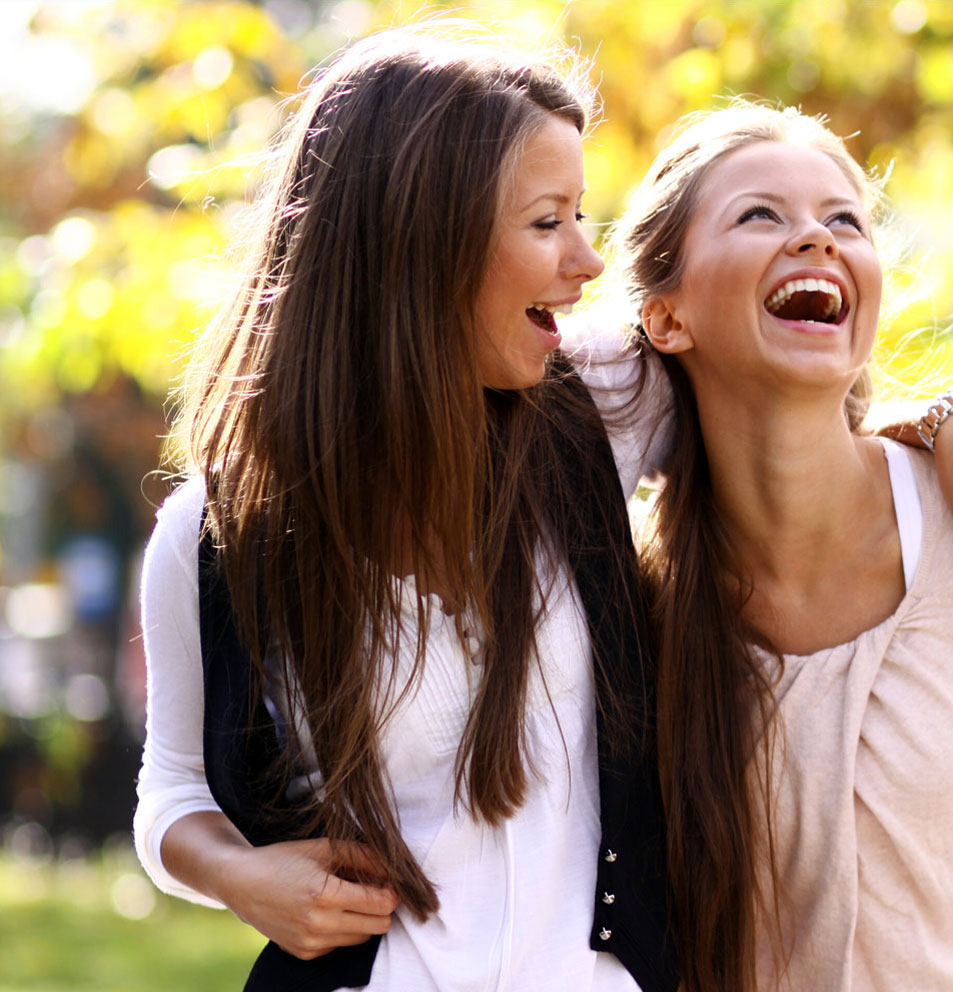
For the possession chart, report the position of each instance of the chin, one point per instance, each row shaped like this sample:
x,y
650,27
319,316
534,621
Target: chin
x,y
523,377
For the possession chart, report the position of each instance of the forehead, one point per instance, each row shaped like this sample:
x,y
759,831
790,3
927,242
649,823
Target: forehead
x,y
550,163
777,167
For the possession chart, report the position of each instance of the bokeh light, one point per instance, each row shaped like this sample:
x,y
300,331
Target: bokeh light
x,y
133,137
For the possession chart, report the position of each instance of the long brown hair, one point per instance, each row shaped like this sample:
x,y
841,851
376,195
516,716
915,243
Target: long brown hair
x,y
338,416
714,697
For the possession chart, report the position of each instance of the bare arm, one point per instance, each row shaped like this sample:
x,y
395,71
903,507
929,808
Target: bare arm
x,y
290,892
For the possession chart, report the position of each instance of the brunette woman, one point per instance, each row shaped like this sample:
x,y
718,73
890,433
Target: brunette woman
x,y
804,577
393,621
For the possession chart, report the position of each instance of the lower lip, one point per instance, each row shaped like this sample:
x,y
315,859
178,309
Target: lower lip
x,y
813,327
550,340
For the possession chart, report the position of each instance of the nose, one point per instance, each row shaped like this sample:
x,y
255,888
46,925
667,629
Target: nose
x,y
581,261
813,238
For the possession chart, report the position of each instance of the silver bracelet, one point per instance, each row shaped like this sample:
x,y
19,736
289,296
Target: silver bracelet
x,y
938,411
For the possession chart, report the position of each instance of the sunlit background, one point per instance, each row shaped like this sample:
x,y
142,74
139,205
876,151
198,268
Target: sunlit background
x,y
129,136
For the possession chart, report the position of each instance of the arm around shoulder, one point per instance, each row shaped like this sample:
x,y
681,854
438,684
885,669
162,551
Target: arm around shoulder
x,y
630,388
935,432
291,892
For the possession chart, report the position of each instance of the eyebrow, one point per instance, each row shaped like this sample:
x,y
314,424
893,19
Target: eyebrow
x,y
754,194
560,199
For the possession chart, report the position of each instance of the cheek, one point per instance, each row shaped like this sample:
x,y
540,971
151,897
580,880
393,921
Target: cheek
x,y
877,282
490,300
708,290
864,262
870,286
527,263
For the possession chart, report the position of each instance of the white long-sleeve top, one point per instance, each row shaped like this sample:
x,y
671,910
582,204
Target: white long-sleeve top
x,y
516,901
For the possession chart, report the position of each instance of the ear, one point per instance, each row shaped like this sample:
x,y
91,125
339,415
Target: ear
x,y
664,328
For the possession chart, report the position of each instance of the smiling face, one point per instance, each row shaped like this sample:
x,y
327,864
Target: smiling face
x,y
781,282
540,259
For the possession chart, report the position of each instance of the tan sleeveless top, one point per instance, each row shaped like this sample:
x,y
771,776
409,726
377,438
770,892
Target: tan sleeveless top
x,y
864,786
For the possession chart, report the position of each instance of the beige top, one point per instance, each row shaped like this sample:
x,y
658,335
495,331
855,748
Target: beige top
x,y
864,785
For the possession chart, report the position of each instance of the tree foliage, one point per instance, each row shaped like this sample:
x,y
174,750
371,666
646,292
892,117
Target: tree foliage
x,y
130,145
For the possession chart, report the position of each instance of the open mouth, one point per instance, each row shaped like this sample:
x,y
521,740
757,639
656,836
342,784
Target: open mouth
x,y
817,301
545,316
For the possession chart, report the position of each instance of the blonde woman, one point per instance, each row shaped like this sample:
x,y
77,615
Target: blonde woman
x,y
803,573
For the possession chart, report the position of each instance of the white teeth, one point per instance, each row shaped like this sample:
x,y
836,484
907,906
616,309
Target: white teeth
x,y
563,308
785,292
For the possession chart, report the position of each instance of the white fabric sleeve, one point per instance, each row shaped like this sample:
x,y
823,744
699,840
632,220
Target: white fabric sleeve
x,y
172,778
613,367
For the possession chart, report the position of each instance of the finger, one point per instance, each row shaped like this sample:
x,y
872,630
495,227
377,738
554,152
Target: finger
x,y
359,924
350,928
353,897
365,923
310,949
306,952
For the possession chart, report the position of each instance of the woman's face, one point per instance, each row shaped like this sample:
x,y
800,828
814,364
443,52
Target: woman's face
x,y
540,259
781,281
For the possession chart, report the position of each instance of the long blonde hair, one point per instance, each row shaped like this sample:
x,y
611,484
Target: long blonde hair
x,y
713,692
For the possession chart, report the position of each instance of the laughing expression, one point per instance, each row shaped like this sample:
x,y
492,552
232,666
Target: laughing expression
x,y
781,281
539,260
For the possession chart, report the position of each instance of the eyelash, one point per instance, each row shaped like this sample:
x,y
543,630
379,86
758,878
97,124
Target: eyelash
x,y
761,209
551,225
753,212
851,219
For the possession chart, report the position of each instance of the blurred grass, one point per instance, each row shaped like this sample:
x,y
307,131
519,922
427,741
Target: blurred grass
x,y
67,928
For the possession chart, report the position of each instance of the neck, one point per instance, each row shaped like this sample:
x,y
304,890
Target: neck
x,y
782,473
809,514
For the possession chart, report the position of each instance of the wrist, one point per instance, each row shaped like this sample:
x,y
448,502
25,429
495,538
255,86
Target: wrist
x,y
204,851
227,868
939,411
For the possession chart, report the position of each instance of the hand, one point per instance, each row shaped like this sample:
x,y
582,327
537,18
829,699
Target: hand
x,y
292,892
906,433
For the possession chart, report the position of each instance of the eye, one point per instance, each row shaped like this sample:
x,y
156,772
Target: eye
x,y
758,212
850,218
551,223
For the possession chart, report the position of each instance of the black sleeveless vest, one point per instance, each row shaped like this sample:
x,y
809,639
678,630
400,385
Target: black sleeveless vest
x,y
631,916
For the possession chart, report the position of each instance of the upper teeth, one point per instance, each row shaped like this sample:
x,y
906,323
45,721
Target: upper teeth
x,y
561,308
785,292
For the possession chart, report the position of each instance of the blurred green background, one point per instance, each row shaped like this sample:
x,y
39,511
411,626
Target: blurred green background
x,y
130,134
